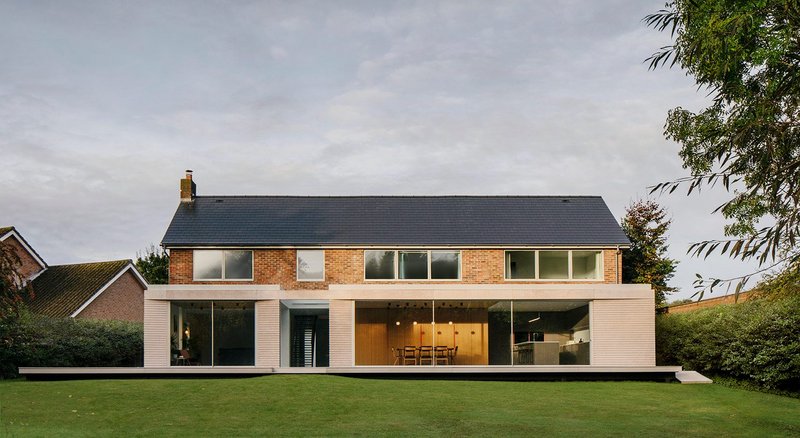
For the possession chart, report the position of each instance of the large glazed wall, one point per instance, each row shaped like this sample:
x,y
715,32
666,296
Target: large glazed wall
x,y
623,332
346,266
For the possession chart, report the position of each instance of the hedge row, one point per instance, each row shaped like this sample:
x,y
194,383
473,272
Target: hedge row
x,y
757,340
30,340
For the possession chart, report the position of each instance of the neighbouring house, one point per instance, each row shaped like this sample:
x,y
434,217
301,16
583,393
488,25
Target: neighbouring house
x,y
31,264
98,290
396,281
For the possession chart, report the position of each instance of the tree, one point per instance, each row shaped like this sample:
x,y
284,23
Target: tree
x,y
13,286
646,225
153,264
747,55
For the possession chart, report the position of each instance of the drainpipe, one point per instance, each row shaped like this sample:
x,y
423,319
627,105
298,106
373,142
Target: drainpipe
x,y
616,266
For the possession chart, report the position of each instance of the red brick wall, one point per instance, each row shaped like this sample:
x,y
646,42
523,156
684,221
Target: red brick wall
x,y
123,300
346,266
708,302
29,265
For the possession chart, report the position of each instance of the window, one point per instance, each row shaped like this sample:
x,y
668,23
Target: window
x,y
445,265
412,265
379,265
553,265
310,265
213,333
223,265
521,265
586,265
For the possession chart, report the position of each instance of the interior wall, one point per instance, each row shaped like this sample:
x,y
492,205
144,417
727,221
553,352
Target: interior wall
x,y
377,331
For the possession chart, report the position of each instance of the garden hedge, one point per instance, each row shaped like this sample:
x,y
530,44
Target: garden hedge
x,y
756,340
31,340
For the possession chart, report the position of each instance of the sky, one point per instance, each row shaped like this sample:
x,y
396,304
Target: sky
x,y
104,104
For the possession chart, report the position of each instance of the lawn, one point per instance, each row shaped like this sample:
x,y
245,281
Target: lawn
x,y
329,405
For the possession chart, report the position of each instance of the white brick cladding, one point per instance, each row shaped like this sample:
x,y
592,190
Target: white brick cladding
x,y
268,341
623,332
156,333
342,335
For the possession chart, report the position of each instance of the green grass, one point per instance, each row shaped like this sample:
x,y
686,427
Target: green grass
x,y
328,405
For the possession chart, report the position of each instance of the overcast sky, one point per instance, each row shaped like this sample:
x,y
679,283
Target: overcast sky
x,y
104,104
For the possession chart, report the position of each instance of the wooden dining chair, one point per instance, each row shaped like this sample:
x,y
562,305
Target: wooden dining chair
x,y
398,355
440,354
426,354
409,355
452,354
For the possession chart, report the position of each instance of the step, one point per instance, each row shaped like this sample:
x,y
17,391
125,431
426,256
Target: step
x,y
691,377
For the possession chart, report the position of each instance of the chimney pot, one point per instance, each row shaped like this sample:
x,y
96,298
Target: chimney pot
x,y
188,173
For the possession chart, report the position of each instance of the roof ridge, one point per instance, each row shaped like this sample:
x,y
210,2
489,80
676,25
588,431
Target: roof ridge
x,y
94,263
399,196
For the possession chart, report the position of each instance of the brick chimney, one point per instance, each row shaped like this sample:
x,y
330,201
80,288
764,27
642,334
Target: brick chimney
x,y
188,187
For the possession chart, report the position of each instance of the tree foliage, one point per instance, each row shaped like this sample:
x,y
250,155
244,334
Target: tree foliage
x,y
13,286
646,225
747,55
153,264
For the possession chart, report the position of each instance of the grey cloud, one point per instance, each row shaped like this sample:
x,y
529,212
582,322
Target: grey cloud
x,y
102,106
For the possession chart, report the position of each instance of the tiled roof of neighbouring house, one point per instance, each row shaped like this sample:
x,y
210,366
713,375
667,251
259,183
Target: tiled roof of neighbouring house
x,y
62,289
4,230
393,220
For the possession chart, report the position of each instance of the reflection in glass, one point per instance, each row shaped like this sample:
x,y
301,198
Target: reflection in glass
x,y
553,265
238,265
586,265
520,265
413,265
310,265
191,333
445,265
214,333
207,265
379,265
551,333
234,333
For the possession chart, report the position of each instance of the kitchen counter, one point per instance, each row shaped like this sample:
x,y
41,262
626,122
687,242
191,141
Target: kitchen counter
x,y
536,353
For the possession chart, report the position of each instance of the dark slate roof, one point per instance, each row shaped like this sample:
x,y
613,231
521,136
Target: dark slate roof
x,y
393,220
62,289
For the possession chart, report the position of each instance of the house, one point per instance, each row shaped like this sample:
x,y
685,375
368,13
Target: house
x,y
31,264
355,282
98,290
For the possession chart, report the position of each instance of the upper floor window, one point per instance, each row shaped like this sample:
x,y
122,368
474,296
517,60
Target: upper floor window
x,y
553,265
412,265
223,265
310,265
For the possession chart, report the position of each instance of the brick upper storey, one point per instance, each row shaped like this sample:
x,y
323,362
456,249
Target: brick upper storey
x,y
481,228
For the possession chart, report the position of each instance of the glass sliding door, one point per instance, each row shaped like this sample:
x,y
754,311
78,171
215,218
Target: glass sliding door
x,y
550,333
212,333
191,333
234,333
394,333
